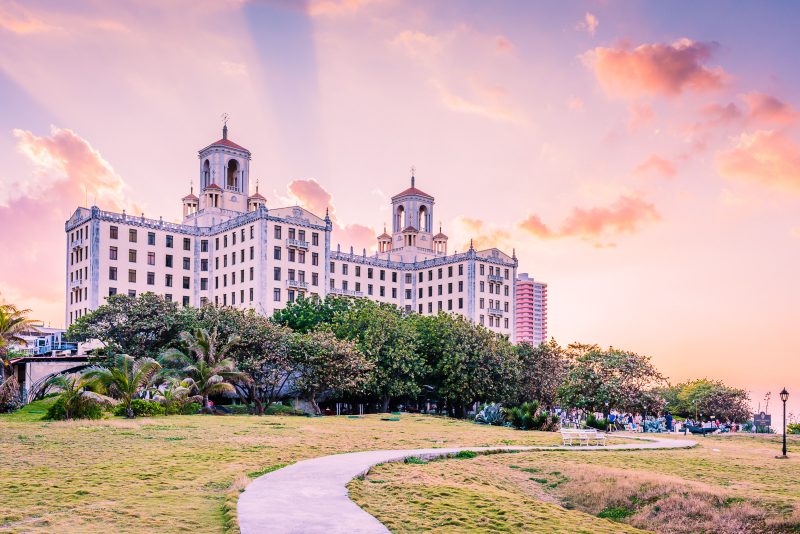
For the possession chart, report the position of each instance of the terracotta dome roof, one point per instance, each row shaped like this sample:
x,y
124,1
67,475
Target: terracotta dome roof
x,y
413,191
384,235
411,229
257,196
440,235
226,143
190,196
213,186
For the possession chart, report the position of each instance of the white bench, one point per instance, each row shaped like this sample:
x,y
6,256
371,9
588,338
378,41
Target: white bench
x,y
584,436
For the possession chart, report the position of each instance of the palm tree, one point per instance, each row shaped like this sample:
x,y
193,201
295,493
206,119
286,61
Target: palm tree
x,y
13,323
205,363
75,392
126,378
174,393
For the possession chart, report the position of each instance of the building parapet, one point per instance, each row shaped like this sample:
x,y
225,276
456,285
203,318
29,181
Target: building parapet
x,y
346,292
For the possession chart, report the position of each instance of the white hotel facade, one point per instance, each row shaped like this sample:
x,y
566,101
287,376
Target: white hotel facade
x,y
231,250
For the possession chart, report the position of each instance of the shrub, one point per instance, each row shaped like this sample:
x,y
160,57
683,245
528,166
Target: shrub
x,y
527,416
793,429
191,408
465,455
142,408
282,409
56,411
594,422
490,414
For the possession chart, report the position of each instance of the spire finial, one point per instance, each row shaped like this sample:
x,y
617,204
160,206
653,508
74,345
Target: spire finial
x,y
256,185
470,245
413,170
225,118
191,187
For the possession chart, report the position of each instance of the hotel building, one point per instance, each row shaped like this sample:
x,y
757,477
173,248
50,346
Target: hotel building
x,y
531,310
231,250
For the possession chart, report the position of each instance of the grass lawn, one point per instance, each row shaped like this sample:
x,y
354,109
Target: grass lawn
x,y
182,473
726,484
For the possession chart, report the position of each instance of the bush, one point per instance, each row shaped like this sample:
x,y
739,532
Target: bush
x,y
594,422
490,414
527,416
142,408
191,409
56,411
793,429
282,409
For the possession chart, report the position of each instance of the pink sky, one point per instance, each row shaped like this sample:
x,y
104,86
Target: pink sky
x,y
643,160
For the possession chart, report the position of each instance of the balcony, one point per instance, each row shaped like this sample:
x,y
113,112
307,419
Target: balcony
x,y
75,283
497,312
296,243
346,292
76,243
495,278
297,284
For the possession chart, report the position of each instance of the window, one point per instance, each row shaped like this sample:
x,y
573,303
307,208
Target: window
x,y
430,274
344,268
482,301
482,271
358,270
481,319
277,253
151,238
216,262
301,256
185,300
291,254
252,232
151,278
369,272
506,274
449,287
439,273
430,291
233,296
358,286
225,241
314,238
186,264
315,259
251,273
169,241
277,236
276,294
252,253
369,289
301,235
132,276
460,303
243,238
168,260
430,307
460,269
344,285
461,285
394,292
204,245
333,270
187,243
506,290
132,293
291,233
482,287
233,237
203,301
168,280
291,274
315,280
225,280
112,253
151,258
132,255
450,271
420,277
185,282
449,304
204,284
132,235
251,293
506,322
204,265
225,260
112,291
382,291
216,243
439,305
394,277
113,232
409,278
112,273
290,295
420,292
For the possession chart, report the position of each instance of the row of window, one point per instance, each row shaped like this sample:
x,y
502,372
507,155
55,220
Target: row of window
x,y
299,276
225,279
113,254
299,235
494,321
294,255
232,300
151,278
493,271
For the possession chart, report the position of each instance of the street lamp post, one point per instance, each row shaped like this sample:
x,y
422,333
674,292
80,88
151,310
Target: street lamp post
x,y
784,397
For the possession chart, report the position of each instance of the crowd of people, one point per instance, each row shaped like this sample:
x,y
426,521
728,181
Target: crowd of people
x,y
636,422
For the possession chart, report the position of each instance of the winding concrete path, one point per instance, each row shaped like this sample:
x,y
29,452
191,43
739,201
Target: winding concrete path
x,y
310,496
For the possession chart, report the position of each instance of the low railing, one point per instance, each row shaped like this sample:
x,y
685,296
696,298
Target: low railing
x,y
296,243
297,284
495,278
75,283
495,311
76,243
346,292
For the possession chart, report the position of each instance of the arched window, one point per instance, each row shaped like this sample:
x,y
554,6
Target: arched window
x,y
206,179
401,218
423,219
233,175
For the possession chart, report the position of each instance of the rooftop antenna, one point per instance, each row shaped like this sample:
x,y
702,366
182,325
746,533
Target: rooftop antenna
x,y
413,170
225,118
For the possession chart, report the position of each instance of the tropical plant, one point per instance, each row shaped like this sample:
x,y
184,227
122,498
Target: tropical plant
x,y
174,394
76,399
142,408
126,378
491,414
204,364
13,323
527,416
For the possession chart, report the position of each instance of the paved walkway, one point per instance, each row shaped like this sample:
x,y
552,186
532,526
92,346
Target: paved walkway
x,y
311,496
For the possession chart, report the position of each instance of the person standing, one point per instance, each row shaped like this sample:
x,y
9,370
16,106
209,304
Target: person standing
x,y
668,420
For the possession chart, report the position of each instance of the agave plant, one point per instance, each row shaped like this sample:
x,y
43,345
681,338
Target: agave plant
x,y
491,414
126,378
205,365
75,393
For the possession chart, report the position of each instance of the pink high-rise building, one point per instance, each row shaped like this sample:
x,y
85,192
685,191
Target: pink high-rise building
x,y
531,310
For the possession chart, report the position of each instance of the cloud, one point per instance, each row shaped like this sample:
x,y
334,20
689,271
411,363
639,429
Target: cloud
x,y
335,8
767,157
763,108
640,114
575,103
588,24
17,19
65,167
625,215
482,237
503,44
655,69
420,44
311,195
717,114
657,164
488,103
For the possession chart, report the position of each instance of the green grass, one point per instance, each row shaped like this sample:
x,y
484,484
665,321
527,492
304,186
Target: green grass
x,y
34,411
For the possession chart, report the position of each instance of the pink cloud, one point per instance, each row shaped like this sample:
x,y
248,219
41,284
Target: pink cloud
x,y
640,114
625,215
311,195
17,19
656,69
482,237
65,167
717,114
333,8
766,157
765,108
503,44
588,24
657,164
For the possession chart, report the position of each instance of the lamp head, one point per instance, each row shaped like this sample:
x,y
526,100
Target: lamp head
x,y
784,395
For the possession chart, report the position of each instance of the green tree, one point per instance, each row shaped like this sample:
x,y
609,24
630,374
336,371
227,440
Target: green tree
x,y
325,363
204,363
307,314
543,369
709,397
601,381
268,361
76,394
126,378
13,323
143,325
387,338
